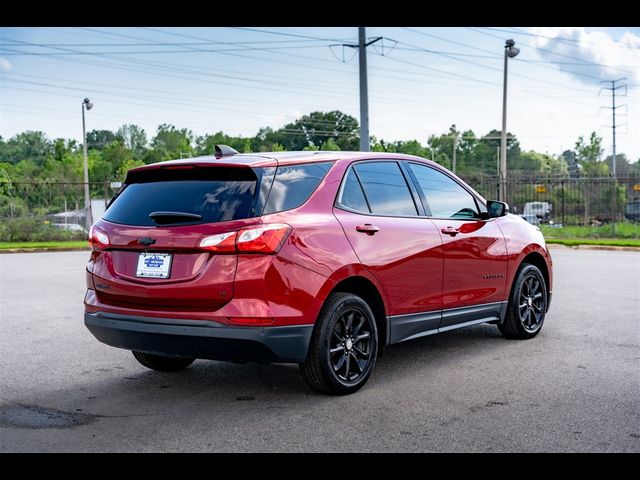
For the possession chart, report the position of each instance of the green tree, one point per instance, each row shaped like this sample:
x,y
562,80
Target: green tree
x,y
30,145
99,139
134,138
589,155
329,145
623,167
172,143
126,166
116,153
206,144
316,128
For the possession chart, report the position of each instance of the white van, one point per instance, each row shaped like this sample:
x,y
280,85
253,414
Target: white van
x,y
542,210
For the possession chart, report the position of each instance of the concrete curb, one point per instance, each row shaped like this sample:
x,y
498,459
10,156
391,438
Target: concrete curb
x,y
38,250
594,247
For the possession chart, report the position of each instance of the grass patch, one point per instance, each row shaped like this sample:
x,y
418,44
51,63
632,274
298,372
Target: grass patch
x,y
623,230
57,244
613,242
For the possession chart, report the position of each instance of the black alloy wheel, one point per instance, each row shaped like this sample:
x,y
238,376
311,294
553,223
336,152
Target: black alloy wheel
x,y
350,345
527,304
344,346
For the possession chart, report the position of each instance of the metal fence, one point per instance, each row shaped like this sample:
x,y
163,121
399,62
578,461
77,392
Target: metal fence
x,y
571,201
45,211
55,210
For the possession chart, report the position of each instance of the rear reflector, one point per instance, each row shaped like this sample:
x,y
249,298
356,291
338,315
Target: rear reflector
x,y
251,320
263,239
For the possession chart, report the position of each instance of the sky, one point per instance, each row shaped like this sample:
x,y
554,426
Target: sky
x,y
238,80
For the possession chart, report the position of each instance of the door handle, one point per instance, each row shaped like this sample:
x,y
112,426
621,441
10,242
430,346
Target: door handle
x,y
450,231
367,228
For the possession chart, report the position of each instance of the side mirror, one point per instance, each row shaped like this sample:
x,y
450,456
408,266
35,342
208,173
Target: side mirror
x,y
497,209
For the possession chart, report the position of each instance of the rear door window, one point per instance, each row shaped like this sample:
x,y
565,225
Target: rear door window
x,y
352,196
386,188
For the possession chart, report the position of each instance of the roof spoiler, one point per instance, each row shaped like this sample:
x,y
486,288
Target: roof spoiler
x,y
225,151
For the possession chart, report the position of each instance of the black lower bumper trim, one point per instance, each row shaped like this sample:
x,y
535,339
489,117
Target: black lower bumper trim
x,y
200,338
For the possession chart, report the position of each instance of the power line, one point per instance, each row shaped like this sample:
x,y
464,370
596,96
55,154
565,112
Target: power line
x,y
288,34
154,52
559,39
551,52
489,51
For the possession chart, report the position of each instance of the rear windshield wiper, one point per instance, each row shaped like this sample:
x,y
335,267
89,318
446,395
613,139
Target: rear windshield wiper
x,y
162,218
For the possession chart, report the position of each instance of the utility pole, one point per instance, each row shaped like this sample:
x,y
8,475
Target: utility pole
x,y
614,107
364,93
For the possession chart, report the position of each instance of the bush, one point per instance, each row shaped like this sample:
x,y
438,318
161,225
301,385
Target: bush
x,y
34,230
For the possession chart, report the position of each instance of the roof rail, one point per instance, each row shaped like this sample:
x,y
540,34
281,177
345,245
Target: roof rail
x,y
225,150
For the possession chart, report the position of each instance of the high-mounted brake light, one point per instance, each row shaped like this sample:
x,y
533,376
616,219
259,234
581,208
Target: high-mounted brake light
x,y
98,240
263,239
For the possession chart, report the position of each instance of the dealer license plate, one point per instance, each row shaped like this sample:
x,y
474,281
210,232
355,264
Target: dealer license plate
x,y
154,265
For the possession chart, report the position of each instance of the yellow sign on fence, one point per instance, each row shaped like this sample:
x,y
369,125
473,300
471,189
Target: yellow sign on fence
x,y
636,187
541,188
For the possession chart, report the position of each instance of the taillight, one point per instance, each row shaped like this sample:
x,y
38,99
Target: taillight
x,y
98,240
222,243
262,239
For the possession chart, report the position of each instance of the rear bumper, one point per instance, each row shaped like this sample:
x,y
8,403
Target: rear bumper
x,y
201,338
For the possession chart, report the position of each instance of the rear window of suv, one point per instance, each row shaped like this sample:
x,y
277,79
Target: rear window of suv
x,y
215,194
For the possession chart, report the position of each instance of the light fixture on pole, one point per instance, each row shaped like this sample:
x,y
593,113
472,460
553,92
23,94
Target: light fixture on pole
x,y
87,198
510,51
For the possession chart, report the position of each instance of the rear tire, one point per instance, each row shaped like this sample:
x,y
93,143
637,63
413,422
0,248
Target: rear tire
x,y
527,305
161,363
344,346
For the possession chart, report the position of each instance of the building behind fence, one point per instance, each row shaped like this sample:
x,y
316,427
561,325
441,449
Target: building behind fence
x,y
47,210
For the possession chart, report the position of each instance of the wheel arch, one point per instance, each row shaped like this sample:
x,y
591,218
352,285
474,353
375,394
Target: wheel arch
x,y
538,260
370,293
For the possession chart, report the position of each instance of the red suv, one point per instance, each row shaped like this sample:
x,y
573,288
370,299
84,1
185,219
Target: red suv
x,y
316,258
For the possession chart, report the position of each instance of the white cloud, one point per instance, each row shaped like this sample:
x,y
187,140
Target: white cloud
x,y
5,65
614,59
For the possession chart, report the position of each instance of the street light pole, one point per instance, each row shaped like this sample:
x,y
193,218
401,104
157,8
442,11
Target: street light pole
x,y
510,51
87,198
455,146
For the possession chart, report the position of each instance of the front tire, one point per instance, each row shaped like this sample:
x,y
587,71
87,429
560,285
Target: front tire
x,y
343,347
162,363
527,305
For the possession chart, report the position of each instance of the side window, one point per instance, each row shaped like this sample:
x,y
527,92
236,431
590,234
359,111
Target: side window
x,y
446,198
293,185
352,195
386,188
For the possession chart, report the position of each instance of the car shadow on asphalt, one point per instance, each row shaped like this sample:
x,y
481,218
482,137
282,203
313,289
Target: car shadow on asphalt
x,y
127,388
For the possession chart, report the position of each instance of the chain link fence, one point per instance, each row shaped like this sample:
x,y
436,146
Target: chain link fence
x,y
602,207
48,211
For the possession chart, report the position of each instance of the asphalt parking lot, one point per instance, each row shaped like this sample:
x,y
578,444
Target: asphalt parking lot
x,y
575,387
